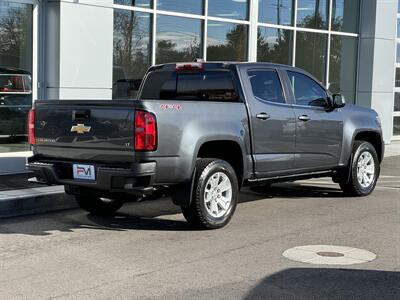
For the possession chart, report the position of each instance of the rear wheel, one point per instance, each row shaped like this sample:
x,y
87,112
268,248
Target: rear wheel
x,y
215,195
98,205
364,171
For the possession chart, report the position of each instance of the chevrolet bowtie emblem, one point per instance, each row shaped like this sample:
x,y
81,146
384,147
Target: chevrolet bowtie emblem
x,y
80,128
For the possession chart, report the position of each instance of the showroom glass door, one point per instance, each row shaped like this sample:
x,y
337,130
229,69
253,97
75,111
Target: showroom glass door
x,y
18,21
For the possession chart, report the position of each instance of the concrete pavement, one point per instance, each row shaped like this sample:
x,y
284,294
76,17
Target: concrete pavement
x,y
393,149
148,251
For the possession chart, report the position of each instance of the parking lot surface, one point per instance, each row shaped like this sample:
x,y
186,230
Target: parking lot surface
x,y
148,251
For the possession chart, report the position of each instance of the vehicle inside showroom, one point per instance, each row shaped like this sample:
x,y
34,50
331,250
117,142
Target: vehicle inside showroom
x,y
16,55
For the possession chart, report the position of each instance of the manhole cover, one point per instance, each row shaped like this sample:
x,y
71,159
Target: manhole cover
x,y
329,255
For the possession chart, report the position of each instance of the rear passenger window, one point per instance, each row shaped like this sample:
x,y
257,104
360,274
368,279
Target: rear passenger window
x,y
266,85
196,86
306,91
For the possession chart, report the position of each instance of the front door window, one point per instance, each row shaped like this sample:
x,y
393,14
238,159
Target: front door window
x,y
306,91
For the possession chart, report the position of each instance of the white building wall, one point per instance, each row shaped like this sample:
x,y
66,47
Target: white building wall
x,y
377,58
79,49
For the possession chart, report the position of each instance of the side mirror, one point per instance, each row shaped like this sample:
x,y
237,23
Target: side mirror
x,y
338,100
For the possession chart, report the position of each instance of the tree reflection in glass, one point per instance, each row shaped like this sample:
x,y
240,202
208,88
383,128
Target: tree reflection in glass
x,y
274,45
312,14
226,41
178,39
16,38
311,53
132,52
311,47
345,15
16,35
276,12
343,66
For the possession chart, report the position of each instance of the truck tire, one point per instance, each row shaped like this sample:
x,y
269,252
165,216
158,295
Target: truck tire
x,y
97,205
364,170
215,194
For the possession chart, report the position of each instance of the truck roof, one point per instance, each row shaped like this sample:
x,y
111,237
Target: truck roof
x,y
219,65
5,70
201,65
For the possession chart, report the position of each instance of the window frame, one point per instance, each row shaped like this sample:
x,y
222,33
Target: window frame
x,y
281,82
309,76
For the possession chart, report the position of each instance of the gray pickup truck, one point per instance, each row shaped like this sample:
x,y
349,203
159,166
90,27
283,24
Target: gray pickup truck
x,y
202,131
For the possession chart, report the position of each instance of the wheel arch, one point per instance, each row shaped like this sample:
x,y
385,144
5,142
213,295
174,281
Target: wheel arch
x,y
227,150
352,133
372,137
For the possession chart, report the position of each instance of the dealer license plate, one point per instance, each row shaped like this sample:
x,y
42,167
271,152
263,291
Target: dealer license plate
x,y
84,172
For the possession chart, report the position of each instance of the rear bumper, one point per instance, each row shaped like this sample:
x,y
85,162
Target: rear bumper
x,y
137,178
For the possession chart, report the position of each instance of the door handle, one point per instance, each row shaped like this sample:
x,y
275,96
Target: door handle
x,y
263,116
304,118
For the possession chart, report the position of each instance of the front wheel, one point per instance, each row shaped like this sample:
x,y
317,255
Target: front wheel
x,y
215,194
98,205
364,171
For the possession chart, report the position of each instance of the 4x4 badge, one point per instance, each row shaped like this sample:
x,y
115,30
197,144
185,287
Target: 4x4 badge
x,y
80,128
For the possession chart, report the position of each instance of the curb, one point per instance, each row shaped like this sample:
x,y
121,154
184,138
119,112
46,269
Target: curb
x,y
34,201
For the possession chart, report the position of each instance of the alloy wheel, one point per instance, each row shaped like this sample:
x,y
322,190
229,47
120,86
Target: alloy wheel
x,y
218,195
365,169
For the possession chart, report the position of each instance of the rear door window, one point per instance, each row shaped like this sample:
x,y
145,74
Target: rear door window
x,y
194,86
266,86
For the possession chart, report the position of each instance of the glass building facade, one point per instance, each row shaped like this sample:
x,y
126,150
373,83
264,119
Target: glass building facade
x,y
101,49
320,36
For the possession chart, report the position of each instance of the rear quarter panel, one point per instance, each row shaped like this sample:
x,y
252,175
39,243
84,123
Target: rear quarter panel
x,y
183,126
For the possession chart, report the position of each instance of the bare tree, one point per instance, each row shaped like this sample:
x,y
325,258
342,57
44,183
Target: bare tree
x,y
14,34
130,45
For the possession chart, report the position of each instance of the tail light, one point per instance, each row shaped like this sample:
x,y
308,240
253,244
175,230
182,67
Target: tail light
x,y
31,127
145,131
196,66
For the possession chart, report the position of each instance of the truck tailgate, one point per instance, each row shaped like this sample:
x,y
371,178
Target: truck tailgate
x,y
96,131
